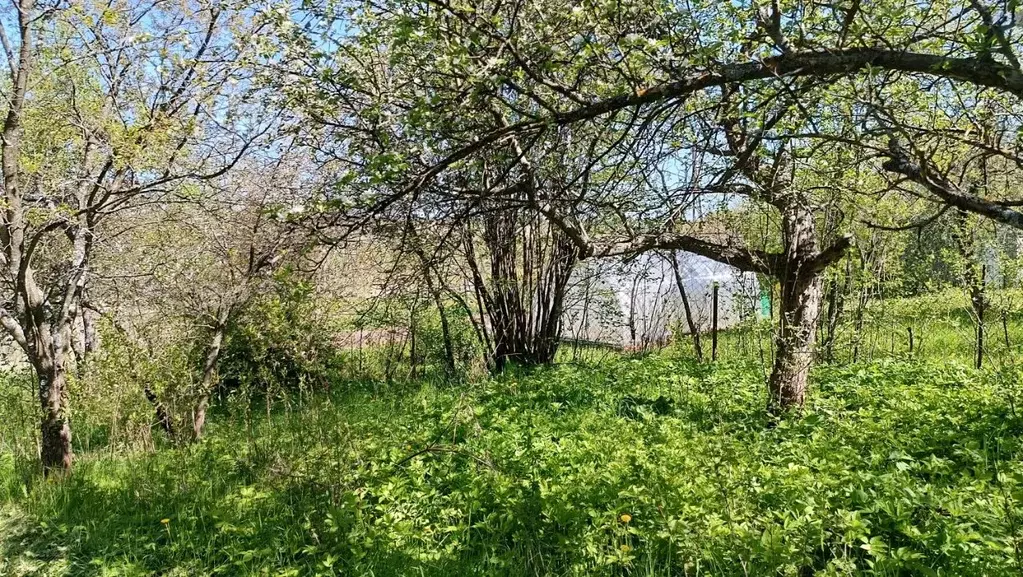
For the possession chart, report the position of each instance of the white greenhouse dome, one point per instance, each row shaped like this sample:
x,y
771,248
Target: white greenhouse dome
x,y
638,304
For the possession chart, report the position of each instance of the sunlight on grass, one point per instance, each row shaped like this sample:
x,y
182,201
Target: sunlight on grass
x,y
897,467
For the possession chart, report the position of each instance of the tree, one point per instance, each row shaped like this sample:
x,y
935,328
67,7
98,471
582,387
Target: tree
x,y
798,266
194,266
620,79
585,66
106,110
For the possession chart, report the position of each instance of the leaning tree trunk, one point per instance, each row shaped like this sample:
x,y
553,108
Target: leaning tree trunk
x,y
694,330
445,325
209,378
802,293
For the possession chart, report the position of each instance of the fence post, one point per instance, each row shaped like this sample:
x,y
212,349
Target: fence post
x,y
714,324
981,305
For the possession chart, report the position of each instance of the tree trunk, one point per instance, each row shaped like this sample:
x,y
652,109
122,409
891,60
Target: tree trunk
x,y
632,311
530,267
553,287
714,322
694,331
413,350
209,377
836,306
973,278
56,454
802,294
979,300
445,326
450,367
801,300
864,295
163,416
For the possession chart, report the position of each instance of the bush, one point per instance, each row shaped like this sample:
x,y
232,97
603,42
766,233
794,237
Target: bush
x,y
109,394
280,343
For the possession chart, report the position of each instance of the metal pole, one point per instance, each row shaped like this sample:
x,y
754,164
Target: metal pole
x,y
714,324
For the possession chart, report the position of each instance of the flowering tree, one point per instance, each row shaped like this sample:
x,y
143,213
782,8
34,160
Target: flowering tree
x,y
725,90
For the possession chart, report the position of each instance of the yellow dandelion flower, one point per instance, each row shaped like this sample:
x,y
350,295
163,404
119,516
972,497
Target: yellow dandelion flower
x,y
165,521
625,518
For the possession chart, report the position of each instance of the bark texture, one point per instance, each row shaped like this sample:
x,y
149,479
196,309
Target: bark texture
x,y
802,283
55,452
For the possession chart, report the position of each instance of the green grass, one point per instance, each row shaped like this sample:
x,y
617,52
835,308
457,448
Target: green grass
x,y
944,330
899,467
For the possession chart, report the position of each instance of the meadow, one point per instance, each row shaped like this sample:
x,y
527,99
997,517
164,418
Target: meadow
x,y
652,465
603,464
350,288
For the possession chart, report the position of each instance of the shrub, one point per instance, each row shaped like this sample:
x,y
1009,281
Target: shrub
x,y
280,342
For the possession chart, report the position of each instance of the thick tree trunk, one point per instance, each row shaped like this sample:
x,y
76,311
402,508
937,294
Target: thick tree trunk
x,y
802,294
55,451
801,300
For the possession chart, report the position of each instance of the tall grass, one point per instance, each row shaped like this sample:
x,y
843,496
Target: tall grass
x,y
652,465
606,464
943,325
